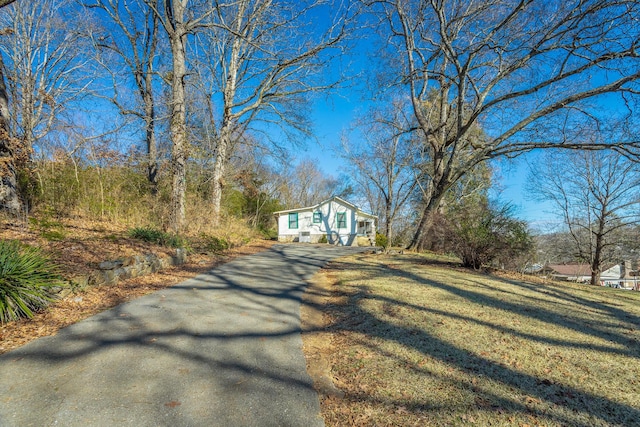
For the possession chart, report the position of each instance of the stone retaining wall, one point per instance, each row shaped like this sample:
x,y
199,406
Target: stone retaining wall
x,y
125,268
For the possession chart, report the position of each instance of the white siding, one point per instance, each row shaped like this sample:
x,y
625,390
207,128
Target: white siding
x,y
303,224
330,213
328,224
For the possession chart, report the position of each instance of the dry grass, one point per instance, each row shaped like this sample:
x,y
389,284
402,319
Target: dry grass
x,y
83,245
416,342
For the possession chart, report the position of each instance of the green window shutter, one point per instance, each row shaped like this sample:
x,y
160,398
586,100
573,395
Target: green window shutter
x,y
317,217
293,220
341,219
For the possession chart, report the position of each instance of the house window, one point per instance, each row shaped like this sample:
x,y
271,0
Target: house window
x,y
317,217
341,219
293,220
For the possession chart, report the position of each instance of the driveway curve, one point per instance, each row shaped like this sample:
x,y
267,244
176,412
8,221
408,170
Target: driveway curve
x,y
221,349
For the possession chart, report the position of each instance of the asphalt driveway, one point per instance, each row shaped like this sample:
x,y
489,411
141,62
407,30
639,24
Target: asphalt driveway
x,y
221,349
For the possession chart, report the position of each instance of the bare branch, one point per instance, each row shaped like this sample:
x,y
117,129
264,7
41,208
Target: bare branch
x,y
528,83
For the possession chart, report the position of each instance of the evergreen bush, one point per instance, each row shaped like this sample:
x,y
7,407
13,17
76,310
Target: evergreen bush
x,y
382,241
216,244
147,234
159,237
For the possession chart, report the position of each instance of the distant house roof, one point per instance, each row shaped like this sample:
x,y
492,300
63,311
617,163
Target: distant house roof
x,y
534,268
334,198
570,270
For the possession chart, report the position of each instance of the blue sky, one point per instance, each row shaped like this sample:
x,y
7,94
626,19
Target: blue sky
x,y
511,187
332,116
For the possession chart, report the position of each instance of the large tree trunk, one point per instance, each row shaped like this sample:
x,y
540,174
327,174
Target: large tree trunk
x,y
228,119
596,260
424,226
152,150
219,167
178,126
150,111
9,196
389,220
433,198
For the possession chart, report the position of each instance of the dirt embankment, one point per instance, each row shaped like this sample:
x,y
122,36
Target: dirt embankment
x,y
79,247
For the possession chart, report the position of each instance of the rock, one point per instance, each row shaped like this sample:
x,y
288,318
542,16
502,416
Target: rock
x,y
111,271
121,273
79,282
110,265
181,256
64,293
109,277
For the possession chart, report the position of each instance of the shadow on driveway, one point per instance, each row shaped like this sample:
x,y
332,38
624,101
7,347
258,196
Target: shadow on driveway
x,y
220,349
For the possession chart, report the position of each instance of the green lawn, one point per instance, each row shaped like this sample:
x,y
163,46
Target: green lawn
x,y
418,342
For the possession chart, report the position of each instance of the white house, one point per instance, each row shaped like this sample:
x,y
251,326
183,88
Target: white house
x,y
617,276
341,222
620,276
569,272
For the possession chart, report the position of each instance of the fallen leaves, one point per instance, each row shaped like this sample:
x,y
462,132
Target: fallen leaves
x,y
85,303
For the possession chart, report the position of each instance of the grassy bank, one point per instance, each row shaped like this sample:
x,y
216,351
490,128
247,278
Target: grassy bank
x,y
415,341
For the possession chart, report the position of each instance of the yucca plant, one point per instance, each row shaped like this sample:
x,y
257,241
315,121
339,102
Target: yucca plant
x,y
27,278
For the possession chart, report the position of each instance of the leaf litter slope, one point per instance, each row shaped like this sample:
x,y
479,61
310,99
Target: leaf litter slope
x,y
417,342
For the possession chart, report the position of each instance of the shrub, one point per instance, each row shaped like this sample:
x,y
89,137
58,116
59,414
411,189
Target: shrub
x,y
381,240
27,280
159,237
215,244
323,239
146,234
174,241
487,234
268,233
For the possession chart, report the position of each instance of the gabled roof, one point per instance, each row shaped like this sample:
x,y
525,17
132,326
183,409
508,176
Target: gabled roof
x,y
571,270
316,206
613,273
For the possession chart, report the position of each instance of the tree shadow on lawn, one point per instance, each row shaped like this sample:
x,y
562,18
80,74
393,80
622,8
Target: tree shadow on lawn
x,y
606,307
557,395
602,330
559,318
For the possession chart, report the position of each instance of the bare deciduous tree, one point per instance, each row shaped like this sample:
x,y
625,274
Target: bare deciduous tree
x,y
266,59
130,40
41,63
9,200
597,194
383,161
529,72
306,185
179,19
